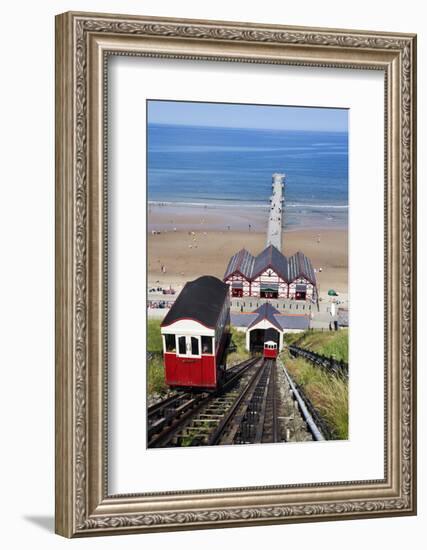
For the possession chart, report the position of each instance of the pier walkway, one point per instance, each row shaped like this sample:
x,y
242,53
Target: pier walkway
x,y
274,230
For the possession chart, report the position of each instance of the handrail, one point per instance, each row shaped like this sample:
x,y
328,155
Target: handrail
x,y
317,434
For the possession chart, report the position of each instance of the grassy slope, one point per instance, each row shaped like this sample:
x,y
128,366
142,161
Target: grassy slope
x,y
238,338
329,343
155,369
154,338
328,393
156,375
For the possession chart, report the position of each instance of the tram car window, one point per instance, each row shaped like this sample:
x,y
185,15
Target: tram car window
x,y
207,344
170,343
195,334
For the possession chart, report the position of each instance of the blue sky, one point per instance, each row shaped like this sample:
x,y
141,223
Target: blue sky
x,y
247,116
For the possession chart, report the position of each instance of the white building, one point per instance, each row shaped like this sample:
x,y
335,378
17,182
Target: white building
x,y
267,323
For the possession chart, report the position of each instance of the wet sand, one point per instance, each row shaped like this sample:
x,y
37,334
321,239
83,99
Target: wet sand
x,y
210,218
239,217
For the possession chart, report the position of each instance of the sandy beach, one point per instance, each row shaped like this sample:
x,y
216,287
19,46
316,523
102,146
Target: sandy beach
x,y
189,245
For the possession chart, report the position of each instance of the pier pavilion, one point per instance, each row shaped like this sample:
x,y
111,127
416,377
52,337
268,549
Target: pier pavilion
x,y
271,275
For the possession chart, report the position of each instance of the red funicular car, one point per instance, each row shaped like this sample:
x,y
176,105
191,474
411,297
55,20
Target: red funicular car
x,y
270,350
195,334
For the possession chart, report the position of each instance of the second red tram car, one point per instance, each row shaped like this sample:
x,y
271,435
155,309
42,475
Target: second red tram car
x,y
270,350
195,335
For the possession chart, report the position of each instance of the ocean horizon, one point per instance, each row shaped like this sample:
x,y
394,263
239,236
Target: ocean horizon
x,y
215,167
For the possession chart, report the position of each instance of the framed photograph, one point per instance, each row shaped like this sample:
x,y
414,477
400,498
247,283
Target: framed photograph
x,y
235,274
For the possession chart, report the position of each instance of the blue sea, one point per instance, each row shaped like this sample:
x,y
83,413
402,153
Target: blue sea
x,y
192,165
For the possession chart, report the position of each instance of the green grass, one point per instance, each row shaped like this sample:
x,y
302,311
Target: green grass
x,y
154,338
156,375
241,354
328,393
155,369
329,343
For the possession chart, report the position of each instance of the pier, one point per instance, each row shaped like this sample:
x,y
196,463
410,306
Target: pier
x,y
274,230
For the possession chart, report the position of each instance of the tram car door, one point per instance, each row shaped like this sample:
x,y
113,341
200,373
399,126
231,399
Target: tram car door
x,y
189,359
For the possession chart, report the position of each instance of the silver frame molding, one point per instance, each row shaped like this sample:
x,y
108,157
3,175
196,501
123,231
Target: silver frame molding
x,y
83,43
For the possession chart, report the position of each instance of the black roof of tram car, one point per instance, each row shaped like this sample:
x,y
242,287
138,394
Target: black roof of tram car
x,y
201,300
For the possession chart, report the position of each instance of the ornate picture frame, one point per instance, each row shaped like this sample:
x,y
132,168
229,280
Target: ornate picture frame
x,y
83,43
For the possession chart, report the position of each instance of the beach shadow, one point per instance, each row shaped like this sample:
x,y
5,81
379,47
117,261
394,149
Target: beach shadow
x,y
45,522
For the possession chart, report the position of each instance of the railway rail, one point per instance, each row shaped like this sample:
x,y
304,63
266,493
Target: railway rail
x,y
255,418
166,418
270,411
258,403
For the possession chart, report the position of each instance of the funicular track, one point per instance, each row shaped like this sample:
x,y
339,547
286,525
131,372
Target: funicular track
x,y
167,418
269,411
254,418
257,404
